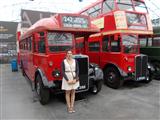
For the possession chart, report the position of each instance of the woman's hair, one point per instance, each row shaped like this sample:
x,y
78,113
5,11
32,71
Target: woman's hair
x,y
69,49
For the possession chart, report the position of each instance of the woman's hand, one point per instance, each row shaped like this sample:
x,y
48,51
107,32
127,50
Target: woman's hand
x,y
72,81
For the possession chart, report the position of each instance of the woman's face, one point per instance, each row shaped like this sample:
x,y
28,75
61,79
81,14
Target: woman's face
x,y
69,54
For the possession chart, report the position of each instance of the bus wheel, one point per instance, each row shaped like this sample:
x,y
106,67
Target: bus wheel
x,y
112,78
22,69
157,70
149,78
42,92
96,88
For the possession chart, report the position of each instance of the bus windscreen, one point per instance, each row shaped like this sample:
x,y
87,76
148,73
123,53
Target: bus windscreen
x,y
59,41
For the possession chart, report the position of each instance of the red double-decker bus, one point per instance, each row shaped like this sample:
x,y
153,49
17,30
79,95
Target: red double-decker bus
x,y
116,47
43,47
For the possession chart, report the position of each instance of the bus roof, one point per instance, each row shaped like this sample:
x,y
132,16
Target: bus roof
x,y
97,2
91,5
54,23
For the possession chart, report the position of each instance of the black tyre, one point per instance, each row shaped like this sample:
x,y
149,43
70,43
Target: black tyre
x,y
112,78
96,88
22,69
42,92
157,70
149,78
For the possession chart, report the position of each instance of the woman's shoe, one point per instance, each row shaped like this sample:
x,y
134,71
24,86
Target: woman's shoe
x,y
70,110
73,111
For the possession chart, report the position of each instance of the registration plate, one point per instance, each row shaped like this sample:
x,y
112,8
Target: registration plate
x,y
141,78
82,87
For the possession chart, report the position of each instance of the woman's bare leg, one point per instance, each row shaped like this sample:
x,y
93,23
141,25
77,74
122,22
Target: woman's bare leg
x,y
72,99
68,99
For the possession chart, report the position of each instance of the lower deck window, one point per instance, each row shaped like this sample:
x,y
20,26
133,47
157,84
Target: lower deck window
x,y
94,46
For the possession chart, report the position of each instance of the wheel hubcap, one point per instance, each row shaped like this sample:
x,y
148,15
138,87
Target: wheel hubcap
x,y
111,77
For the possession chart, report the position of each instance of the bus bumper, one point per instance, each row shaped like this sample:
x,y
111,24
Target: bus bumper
x,y
131,76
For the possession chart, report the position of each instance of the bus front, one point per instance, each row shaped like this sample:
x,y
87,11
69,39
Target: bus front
x,y
131,20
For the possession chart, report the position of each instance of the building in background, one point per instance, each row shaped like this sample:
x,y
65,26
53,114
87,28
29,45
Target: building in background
x,y
7,41
156,22
8,30
28,18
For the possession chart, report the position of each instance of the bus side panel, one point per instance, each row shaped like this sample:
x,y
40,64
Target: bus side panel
x,y
152,52
93,49
111,57
25,61
40,62
31,67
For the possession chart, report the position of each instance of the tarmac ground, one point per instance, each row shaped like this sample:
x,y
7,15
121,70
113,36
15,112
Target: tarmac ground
x,y
133,101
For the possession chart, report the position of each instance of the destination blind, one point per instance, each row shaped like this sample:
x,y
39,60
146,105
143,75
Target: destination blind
x,y
75,22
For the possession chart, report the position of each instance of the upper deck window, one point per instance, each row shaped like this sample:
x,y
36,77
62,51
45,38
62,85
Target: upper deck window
x,y
133,18
59,41
93,11
136,21
125,5
140,6
108,5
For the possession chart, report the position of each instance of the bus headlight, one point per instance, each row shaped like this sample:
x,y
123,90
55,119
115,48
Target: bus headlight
x,y
129,68
96,68
56,73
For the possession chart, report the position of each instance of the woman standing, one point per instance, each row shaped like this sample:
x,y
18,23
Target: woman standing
x,y
70,81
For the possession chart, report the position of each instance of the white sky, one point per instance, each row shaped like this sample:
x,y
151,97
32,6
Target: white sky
x,y
10,9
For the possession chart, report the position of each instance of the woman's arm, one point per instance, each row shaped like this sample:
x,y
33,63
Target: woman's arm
x,y
63,71
77,71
